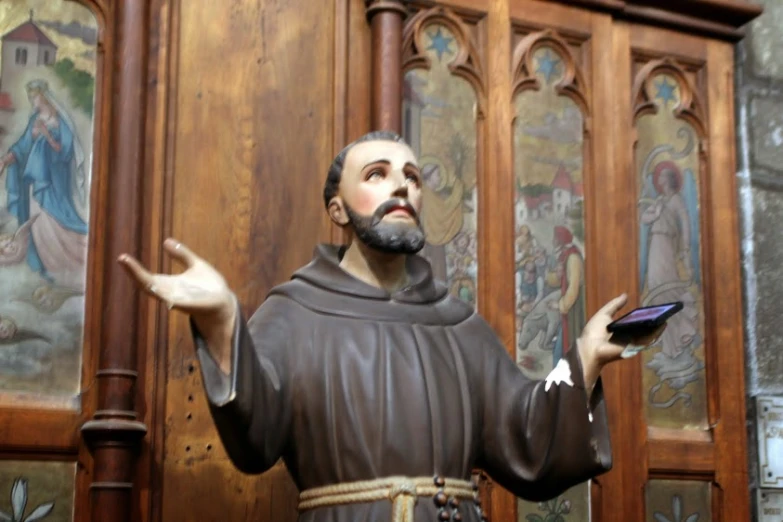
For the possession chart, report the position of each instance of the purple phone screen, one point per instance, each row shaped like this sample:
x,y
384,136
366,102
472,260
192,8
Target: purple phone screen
x,y
647,313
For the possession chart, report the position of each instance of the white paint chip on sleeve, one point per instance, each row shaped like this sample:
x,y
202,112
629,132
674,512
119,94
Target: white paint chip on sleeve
x,y
561,373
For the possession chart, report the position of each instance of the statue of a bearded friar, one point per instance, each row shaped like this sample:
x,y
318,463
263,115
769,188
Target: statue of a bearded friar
x,y
376,387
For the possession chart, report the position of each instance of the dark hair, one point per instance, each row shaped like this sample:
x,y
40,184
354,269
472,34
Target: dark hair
x,y
331,187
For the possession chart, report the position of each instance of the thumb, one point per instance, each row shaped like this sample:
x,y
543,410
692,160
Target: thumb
x,y
614,306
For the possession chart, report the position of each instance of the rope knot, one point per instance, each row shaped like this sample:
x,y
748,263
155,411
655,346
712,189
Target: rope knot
x,y
404,487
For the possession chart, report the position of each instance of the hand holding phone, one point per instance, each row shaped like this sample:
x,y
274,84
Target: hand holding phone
x,y
637,326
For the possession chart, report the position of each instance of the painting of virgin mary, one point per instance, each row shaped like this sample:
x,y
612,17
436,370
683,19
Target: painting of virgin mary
x,y
45,181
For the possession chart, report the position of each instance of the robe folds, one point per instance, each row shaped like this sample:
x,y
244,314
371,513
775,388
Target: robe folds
x,y
346,382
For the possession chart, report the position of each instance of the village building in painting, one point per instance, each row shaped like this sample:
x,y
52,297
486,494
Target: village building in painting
x,y
23,47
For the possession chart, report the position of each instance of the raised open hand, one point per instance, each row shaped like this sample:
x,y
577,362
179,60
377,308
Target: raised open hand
x,y
198,291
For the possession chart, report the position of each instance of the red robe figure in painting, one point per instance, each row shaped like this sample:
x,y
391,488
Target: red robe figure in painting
x,y
379,390
571,304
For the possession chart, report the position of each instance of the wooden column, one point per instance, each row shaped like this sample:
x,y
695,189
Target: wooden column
x,y
386,19
114,433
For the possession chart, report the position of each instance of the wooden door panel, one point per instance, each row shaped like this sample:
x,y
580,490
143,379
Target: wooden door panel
x,y
251,127
563,160
443,120
672,167
666,148
552,151
51,239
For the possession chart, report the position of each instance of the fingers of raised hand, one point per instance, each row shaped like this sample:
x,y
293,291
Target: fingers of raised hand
x,y
180,252
614,306
140,274
150,283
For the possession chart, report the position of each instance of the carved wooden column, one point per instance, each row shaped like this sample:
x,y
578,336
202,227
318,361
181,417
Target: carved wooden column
x,y
386,19
114,433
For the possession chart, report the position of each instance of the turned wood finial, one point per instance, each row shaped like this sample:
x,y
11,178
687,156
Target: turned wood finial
x,y
374,7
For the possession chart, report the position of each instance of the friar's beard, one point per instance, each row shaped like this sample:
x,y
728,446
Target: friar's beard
x,y
392,238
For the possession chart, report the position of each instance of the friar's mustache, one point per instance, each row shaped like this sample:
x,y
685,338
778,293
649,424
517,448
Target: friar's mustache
x,y
390,205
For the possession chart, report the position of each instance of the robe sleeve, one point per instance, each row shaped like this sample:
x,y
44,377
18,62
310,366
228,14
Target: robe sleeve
x,y
539,442
251,406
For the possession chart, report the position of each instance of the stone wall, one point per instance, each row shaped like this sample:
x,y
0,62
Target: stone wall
x,y
759,105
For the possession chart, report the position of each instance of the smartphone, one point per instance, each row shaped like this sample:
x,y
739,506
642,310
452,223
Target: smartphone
x,y
639,322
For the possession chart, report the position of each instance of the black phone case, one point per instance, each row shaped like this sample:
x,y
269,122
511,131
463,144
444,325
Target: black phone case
x,y
647,324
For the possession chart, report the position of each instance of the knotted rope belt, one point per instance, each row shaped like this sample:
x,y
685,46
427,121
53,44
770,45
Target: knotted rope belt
x,y
401,491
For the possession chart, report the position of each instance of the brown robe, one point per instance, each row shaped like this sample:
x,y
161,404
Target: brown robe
x,y
346,382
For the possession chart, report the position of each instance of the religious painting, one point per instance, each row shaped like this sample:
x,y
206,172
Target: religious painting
x,y
678,501
549,222
32,490
439,122
668,168
47,78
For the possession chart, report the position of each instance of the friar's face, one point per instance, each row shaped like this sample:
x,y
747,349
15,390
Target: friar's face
x,y
380,196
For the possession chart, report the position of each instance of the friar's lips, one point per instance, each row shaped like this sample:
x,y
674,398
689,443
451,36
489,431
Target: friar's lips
x,y
402,208
394,205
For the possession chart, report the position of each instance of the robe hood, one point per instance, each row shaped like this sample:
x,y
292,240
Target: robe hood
x,y
324,271
325,288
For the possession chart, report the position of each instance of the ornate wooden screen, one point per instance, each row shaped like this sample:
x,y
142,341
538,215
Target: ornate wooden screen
x,y
593,128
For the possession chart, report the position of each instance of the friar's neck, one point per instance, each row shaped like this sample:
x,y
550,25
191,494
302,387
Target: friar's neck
x,y
379,269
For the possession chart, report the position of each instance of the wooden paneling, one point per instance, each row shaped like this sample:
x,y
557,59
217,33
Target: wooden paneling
x,y
710,453
628,465
609,488
497,247
40,430
216,123
230,155
256,99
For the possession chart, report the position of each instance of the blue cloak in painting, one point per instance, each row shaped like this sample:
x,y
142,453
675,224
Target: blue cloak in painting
x,y
49,173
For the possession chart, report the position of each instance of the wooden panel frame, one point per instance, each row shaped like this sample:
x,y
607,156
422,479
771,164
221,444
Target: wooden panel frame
x,y
577,88
468,65
105,407
567,27
716,455
693,110
353,112
50,426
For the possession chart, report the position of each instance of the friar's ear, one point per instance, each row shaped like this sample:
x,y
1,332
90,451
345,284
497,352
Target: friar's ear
x,y
337,211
